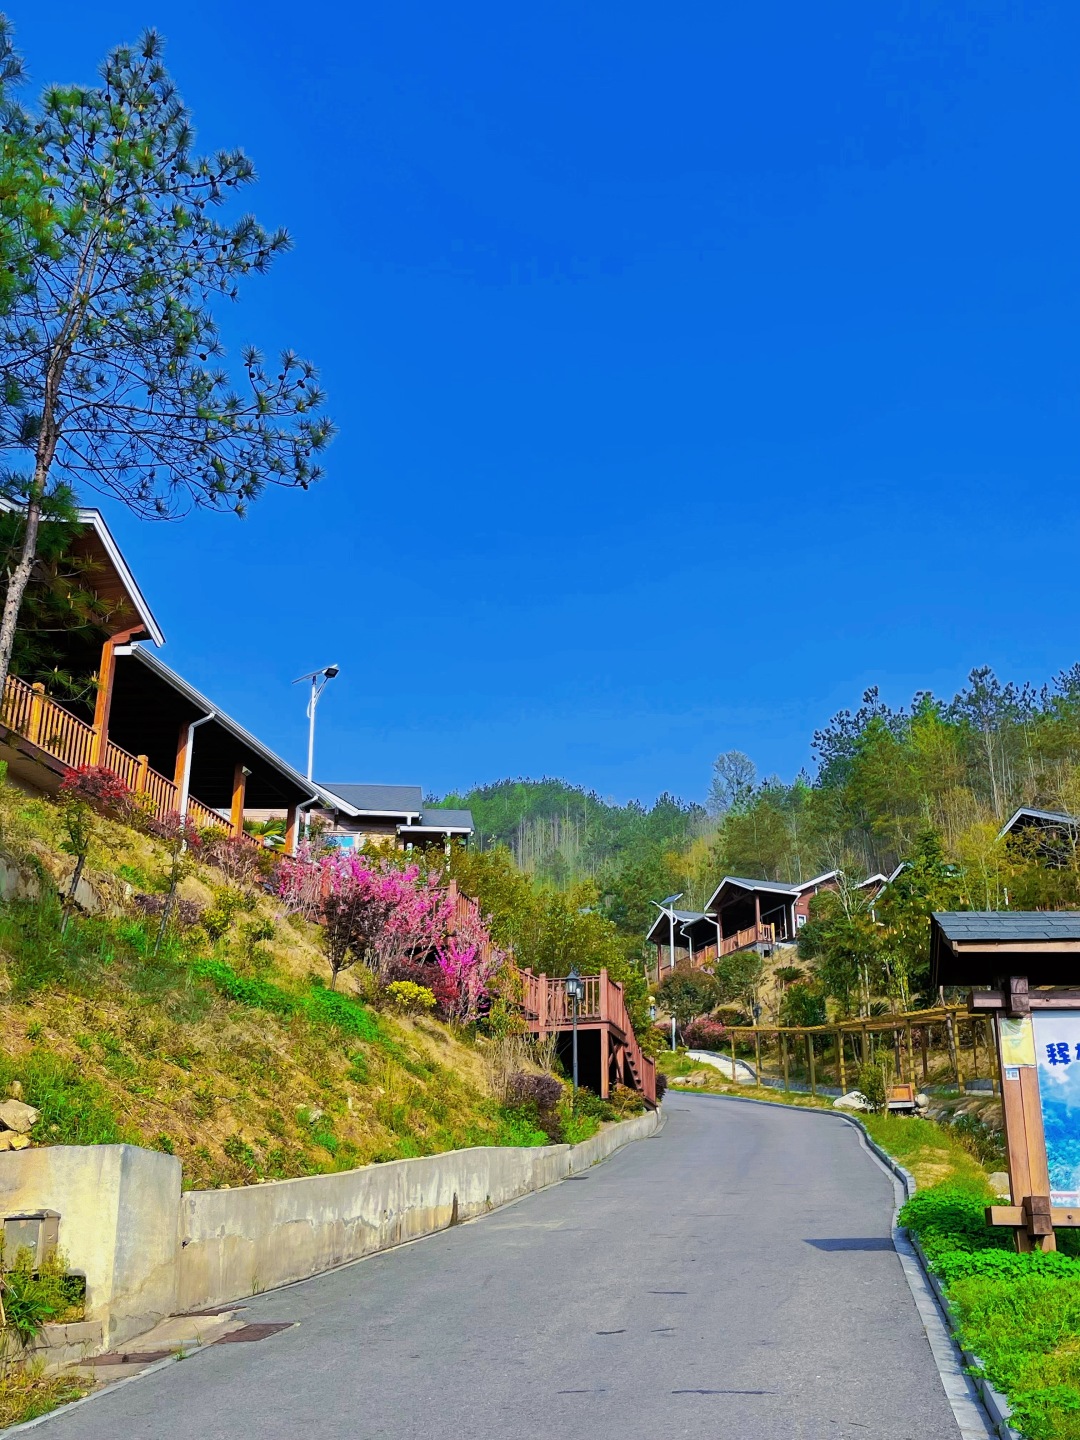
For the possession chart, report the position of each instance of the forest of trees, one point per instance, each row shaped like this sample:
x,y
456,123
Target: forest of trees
x,y
929,784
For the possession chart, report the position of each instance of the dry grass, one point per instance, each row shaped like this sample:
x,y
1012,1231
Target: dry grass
x,y
129,1046
25,1393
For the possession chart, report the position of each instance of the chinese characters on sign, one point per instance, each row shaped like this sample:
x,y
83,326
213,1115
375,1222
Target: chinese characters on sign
x,y
1056,1035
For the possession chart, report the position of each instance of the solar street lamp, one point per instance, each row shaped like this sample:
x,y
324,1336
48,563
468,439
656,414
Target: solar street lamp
x,y
575,993
319,681
664,906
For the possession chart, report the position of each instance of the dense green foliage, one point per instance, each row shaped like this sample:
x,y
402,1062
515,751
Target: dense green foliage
x,y
928,785
563,834
1020,1314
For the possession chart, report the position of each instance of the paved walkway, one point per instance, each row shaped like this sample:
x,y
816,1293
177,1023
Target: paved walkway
x,y
732,1276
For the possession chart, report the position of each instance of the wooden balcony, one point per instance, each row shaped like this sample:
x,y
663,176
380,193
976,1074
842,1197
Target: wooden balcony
x,y
752,935
29,712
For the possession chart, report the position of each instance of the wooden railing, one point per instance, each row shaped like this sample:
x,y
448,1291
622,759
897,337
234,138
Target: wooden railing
x,y
545,1003
753,935
28,711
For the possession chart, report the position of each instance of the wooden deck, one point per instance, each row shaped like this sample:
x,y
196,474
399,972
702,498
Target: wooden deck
x,y
28,713
603,1009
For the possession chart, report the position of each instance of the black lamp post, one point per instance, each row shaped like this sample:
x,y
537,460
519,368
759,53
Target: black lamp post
x,y
575,993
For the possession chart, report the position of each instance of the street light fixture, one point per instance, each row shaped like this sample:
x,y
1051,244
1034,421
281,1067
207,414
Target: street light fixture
x,y
664,906
575,993
319,681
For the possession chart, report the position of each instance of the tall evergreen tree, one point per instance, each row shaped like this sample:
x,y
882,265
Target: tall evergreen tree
x,y
109,353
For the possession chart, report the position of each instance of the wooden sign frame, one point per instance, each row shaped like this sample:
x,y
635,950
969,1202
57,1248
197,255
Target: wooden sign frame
x,y
1031,1215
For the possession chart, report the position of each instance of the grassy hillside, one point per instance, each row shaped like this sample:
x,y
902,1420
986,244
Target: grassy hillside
x,y
225,1048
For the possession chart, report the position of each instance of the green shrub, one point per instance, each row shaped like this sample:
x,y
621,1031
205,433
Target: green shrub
x,y
1020,1314
952,1218
517,1126
873,1084
408,996
33,1299
332,1008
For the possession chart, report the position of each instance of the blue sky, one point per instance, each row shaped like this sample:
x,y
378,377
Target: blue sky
x,y
696,366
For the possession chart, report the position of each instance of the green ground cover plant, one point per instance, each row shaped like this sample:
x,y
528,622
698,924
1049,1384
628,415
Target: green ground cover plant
x,y
1020,1314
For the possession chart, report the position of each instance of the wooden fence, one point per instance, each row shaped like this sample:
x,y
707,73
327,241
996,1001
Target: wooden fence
x,y
909,1036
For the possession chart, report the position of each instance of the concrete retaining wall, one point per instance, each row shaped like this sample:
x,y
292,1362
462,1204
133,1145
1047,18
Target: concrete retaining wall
x,y
118,1213
147,1251
237,1242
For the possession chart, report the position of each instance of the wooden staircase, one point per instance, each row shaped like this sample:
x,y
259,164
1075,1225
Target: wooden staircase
x,y
603,1009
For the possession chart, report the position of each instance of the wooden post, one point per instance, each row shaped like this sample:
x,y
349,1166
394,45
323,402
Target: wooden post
x,y
959,1064
924,1043
141,774
542,1005
181,758
841,1067
605,1077
784,1057
810,1058
239,786
37,705
604,1007
291,829
910,1049
757,1056
757,916
103,703
995,1065
1029,1177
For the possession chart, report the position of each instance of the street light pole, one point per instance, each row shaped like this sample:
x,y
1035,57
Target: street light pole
x,y
574,991
319,680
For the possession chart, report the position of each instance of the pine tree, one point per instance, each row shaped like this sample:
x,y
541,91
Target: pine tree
x,y
110,374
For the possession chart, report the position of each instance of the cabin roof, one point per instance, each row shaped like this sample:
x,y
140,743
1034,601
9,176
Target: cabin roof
x,y
404,802
435,820
1027,814
115,583
282,780
682,917
979,947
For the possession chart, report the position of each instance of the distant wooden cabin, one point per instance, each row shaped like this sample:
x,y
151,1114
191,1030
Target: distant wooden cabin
x,y
742,914
360,815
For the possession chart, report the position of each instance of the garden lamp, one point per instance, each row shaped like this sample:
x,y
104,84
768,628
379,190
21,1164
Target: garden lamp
x,y
575,993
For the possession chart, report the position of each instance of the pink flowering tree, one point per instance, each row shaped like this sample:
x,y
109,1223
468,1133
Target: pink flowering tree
x,y
468,959
394,920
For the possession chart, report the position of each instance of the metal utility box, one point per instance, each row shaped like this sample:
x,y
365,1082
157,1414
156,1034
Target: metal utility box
x,y
35,1230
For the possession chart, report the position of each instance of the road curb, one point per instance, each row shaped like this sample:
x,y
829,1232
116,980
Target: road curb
x,y
980,1411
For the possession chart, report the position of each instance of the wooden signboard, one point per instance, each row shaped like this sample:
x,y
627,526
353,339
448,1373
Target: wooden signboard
x,y
1036,1021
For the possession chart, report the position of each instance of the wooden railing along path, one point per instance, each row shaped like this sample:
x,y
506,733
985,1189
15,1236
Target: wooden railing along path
x,y
28,711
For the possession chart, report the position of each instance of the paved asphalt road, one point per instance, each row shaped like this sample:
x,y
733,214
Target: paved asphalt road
x,y
733,1276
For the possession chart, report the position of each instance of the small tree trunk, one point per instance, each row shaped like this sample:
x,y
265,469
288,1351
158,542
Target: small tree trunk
x,y
17,581
170,900
70,896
